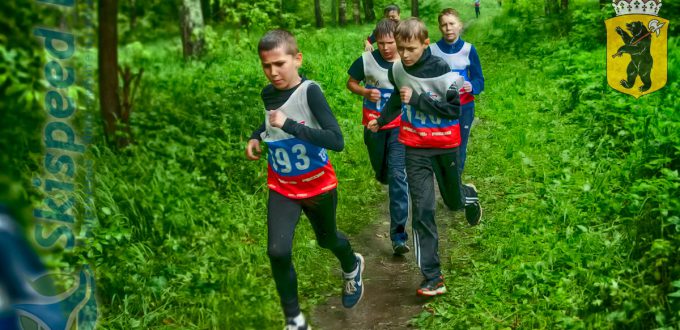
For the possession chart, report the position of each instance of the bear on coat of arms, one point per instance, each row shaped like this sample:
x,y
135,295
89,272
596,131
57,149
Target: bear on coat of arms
x,y
637,44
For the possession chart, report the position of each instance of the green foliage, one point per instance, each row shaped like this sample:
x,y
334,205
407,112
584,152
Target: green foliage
x,y
582,218
579,182
182,244
21,101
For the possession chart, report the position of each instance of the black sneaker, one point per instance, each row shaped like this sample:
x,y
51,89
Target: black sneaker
x,y
473,210
400,248
433,287
399,245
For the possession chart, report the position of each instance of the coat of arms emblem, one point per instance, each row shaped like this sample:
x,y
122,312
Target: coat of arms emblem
x,y
637,47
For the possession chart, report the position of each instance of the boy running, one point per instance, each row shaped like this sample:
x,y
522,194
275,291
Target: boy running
x,y
298,128
429,128
391,12
384,149
462,58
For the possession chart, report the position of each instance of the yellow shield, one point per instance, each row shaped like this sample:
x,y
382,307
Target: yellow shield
x,y
637,53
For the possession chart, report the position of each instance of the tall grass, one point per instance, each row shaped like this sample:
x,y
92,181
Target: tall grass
x,y
182,235
579,184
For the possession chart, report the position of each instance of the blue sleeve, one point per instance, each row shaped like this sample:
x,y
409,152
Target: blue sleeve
x,y
475,72
356,71
371,38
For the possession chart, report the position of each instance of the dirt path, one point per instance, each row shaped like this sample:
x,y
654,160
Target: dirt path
x,y
390,299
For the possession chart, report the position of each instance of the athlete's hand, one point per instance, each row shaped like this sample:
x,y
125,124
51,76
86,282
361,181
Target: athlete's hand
x,y
373,125
368,46
372,94
405,93
467,86
253,150
277,118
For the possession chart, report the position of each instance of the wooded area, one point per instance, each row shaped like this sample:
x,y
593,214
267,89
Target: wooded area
x,y
580,182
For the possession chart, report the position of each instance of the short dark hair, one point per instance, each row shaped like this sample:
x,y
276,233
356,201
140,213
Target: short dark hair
x,y
278,38
411,28
448,11
390,8
384,28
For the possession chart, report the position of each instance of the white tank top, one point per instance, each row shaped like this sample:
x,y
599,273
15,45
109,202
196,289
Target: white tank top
x,y
456,61
375,75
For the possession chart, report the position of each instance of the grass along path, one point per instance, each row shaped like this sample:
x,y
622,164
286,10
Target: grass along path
x,y
524,266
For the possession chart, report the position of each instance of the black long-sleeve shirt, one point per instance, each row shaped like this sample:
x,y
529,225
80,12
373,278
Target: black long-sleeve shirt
x,y
329,136
428,66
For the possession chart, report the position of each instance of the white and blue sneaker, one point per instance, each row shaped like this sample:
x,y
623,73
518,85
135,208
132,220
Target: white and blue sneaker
x,y
354,285
297,323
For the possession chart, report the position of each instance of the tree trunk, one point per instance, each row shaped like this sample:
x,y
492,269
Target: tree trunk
x,y
369,14
133,14
217,14
334,11
109,101
414,8
356,11
205,8
318,14
341,13
191,27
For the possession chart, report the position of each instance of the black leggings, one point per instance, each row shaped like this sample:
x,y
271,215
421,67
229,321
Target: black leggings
x,y
283,215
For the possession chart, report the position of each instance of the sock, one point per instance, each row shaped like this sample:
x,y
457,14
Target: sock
x,y
352,274
298,321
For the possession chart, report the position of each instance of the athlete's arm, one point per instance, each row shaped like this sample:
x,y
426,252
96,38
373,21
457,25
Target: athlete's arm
x,y
449,108
257,133
392,108
475,72
369,93
329,135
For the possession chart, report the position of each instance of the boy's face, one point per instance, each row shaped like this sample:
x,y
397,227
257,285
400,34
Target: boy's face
x,y
281,68
450,26
387,47
411,50
393,15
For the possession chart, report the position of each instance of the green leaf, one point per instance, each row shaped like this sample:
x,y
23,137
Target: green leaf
x,y
106,210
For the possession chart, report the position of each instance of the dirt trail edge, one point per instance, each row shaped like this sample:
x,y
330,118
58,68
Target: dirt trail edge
x,y
390,299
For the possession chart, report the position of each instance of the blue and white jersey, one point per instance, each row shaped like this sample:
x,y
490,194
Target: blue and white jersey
x,y
297,168
459,62
421,130
375,77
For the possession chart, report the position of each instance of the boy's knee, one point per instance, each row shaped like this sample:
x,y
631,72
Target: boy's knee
x,y
330,242
424,212
279,253
398,174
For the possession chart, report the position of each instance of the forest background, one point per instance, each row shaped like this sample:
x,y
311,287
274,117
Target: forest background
x,y
581,184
